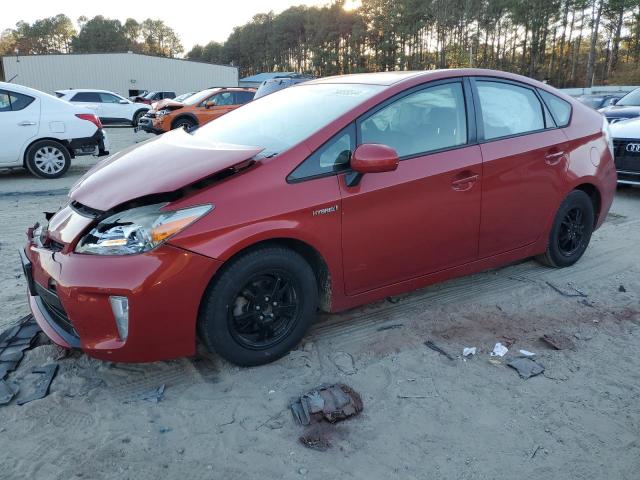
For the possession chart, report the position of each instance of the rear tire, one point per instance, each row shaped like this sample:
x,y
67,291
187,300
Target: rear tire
x,y
48,159
185,123
259,307
571,231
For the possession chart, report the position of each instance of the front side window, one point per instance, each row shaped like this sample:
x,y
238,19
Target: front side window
x,y
90,97
560,109
12,101
508,109
333,156
428,120
108,98
244,97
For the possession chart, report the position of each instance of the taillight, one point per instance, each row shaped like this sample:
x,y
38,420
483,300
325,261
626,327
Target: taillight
x,y
90,117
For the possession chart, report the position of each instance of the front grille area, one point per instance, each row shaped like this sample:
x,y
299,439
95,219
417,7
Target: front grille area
x,y
626,161
54,308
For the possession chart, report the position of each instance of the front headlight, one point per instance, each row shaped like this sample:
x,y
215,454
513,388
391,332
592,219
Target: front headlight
x,y
138,230
161,113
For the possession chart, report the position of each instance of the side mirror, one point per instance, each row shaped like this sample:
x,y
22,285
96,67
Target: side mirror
x,y
371,158
210,103
613,101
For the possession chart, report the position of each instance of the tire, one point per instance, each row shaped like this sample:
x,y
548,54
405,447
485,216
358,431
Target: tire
x,y
249,317
137,116
47,159
571,231
183,122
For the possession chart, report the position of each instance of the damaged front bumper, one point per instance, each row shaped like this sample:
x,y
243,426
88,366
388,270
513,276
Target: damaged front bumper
x,y
145,124
71,294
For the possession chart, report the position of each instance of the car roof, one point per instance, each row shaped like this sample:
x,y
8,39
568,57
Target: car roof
x,y
14,87
81,90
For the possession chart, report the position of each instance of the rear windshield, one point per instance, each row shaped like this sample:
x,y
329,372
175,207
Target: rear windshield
x,y
283,119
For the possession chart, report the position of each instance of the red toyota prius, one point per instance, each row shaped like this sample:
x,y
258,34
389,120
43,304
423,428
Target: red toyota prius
x,y
327,195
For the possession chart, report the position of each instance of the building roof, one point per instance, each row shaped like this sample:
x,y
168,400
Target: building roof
x,y
261,77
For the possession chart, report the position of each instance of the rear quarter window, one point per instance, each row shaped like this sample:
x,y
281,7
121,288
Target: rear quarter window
x,y
560,109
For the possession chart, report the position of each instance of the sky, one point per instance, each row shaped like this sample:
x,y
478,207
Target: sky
x,y
195,22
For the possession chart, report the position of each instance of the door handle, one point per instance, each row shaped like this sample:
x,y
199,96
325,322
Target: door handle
x,y
26,124
465,183
554,158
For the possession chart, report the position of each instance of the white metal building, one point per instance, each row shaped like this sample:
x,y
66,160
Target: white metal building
x,y
122,73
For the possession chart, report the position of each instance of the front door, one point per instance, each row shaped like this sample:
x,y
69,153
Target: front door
x,y
523,161
222,103
423,217
19,124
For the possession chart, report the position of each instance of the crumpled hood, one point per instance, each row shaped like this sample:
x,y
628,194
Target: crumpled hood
x,y
166,103
161,165
626,129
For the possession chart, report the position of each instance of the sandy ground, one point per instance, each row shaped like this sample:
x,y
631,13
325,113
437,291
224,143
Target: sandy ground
x,y
425,417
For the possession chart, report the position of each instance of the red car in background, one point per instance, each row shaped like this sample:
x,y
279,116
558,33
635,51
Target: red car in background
x,y
327,195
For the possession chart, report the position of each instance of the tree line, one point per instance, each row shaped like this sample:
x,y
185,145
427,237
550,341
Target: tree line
x,y
96,35
567,42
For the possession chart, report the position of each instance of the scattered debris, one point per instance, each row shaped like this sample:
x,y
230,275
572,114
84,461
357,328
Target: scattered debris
x,y
164,429
558,342
575,293
390,327
329,402
315,440
499,350
586,303
508,341
526,353
393,299
42,385
344,362
526,367
468,351
438,349
14,341
535,451
622,289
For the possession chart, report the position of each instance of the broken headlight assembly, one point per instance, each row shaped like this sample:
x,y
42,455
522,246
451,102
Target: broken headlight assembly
x,y
161,113
138,230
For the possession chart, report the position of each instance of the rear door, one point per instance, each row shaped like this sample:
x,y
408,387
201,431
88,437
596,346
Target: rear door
x,y
19,124
524,158
90,100
423,217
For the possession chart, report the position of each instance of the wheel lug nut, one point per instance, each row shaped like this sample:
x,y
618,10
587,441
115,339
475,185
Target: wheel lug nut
x,y
261,317
275,304
257,307
266,299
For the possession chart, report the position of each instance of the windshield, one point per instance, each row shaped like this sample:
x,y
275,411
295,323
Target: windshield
x,y
182,97
283,119
631,99
149,95
199,97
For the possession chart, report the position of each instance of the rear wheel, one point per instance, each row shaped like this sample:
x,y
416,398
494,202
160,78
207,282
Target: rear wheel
x,y
260,306
48,159
571,231
184,122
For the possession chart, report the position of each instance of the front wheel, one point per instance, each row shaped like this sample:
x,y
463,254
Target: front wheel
x,y
185,123
137,116
571,231
48,159
259,307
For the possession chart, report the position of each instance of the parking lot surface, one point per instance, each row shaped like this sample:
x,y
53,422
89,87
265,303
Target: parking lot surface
x,y
425,416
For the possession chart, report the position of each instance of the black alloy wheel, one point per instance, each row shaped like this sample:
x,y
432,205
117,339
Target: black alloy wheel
x,y
264,310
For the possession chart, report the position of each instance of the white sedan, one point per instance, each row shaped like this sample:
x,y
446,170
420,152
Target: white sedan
x,y
110,107
626,143
42,133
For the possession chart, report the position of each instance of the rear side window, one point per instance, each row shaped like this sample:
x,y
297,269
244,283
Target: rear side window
x,y
333,156
508,109
560,109
12,101
91,97
108,98
428,120
244,97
